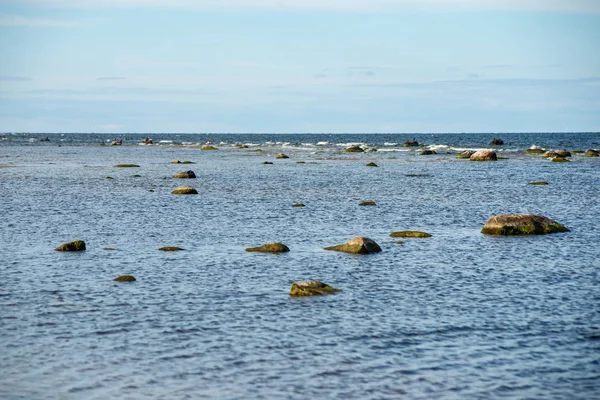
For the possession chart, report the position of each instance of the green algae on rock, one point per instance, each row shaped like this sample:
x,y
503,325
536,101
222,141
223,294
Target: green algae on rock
x,y
559,159
367,203
521,224
410,234
170,248
127,166
311,288
76,245
184,190
185,175
270,248
124,278
535,150
354,149
358,245
372,164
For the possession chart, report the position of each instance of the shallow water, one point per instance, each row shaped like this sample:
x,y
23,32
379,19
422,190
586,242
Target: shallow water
x,y
458,315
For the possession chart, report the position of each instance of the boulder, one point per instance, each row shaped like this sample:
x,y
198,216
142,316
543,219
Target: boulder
x,y
124,278
563,153
270,248
311,288
354,149
550,154
592,153
170,248
483,155
465,154
427,152
208,147
185,175
371,164
368,203
410,234
281,155
184,190
521,224
411,143
76,245
358,245
127,166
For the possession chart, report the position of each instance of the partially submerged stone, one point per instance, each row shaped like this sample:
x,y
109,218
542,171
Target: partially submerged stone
x,y
550,154
563,153
267,163
208,147
175,162
124,278
538,183
559,159
281,155
270,248
170,248
298,205
483,155
521,224
109,249
185,175
411,143
371,164
592,153
427,152
465,154
410,234
185,190
188,162
311,288
76,245
368,203
127,166
354,149
358,245
535,150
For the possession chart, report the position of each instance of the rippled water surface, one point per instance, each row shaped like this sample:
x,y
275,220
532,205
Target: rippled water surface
x,y
458,315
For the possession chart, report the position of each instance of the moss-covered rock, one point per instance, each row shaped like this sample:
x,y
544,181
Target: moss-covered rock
x,y
538,183
311,288
354,149
484,155
410,234
465,154
185,175
76,245
270,248
170,248
281,155
358,245
124,278
127,166
592,153
371,164
367,203
535,150
185,190
208,147
427,152
521,224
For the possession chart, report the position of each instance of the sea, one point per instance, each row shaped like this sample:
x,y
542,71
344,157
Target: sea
x,y
458,315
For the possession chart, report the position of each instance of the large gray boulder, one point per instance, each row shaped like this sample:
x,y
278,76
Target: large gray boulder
x,y
521,224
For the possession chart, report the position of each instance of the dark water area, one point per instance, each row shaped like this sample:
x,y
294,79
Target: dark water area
x,y
457,315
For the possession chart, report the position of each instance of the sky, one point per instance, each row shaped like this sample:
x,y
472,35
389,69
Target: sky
x,y
275,66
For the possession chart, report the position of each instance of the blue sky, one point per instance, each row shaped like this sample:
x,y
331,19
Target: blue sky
x,y
299,65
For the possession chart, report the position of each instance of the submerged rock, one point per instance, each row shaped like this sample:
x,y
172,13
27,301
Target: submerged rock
x,y
427,152
188,162
465,154
483,155
559,159
281,155
538,183
535,150
208,147
170,248
358,245
410,234
521,224
76,245
124,278
354,149
267,163
185,175
311,288
298,205
184,190
368,203
270,248
127,166
411,143
109,249
372,164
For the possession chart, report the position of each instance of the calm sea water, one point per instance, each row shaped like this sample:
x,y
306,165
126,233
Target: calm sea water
x,y
458,315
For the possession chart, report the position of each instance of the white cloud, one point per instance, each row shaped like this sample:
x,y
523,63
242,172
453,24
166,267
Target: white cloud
x,y
579,6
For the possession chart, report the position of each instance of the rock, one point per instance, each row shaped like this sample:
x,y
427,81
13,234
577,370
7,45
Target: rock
x,y
297,205
270,248
311,288
521,224
559,159
538,183
354,149
371,164
109,249
535,150
267,163
175,162
465,154
124,278
358,245
410,234
427,152
184,190
300,162
242,146
368,203
187,162
76,245
497,142
208,147
550,154
136,176
109,177
563,153
170,248
592,153
411,143
281,155
185,175
483,155
127,166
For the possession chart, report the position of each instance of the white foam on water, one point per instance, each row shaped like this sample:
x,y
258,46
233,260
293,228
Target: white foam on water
x,y
322,143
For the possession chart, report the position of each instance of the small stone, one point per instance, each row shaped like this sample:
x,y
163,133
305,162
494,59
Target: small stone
x,y
136,176
185,190
298,205
127,166
521,224
300,162
311,288
483,155
270,248
538,183
170,248
368,203
185,175
267,163
358,245
427,152
124,278
410,234
371,164
76,245
109,249
109,177
281,155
